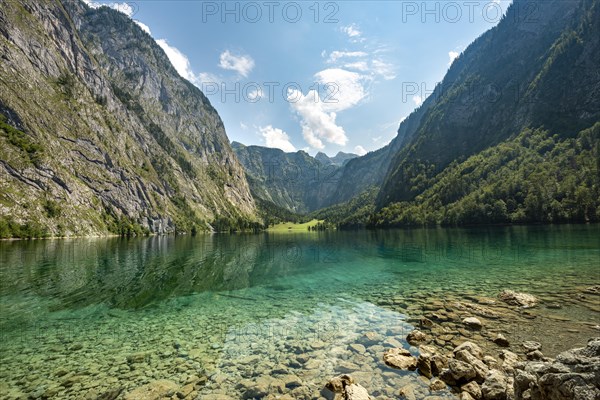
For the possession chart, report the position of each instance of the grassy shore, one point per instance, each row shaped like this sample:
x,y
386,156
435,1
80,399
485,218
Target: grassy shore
x,y
293,227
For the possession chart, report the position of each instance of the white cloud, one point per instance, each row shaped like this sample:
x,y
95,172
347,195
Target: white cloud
x,y
376,68
384,69
243,65
206,77
276,138
125,8
360,150
418,100
358,66
179,61
92,4
352,31
144,27
255,95
453,56
336,55
317,123
243,126
345,88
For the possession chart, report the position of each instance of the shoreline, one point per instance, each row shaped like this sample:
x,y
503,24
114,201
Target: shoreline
x,y
443,320
468,347
339,229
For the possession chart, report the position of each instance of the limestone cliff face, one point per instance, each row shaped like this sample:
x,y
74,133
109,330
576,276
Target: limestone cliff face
x,y
99,129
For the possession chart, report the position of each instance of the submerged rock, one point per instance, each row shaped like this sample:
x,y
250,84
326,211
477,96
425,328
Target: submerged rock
x,y
592,290
535,355
417,337
400,358
260,387
343,387
472,323
436,385
426,323
424,360
153,391
356,392
501,341
531,346
518,299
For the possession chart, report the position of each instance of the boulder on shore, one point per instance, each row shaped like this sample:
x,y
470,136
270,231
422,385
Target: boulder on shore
x,y
471,348
495,386
573,375
501,340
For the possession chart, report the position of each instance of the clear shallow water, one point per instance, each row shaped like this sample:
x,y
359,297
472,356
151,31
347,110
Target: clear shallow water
x,y
79,317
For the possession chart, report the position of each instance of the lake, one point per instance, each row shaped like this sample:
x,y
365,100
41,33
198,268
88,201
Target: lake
x,y
228,316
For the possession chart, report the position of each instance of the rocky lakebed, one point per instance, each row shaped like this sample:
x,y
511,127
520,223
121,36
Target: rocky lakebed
x,y
414,346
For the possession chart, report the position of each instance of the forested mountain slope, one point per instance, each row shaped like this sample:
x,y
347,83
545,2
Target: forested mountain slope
x,y
536,69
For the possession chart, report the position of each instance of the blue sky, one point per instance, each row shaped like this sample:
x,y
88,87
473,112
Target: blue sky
x,y
317,76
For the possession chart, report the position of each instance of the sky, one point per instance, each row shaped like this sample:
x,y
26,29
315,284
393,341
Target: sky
x,y
313,76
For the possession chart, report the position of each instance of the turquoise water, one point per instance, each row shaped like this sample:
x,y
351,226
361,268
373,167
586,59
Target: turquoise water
x,y
81,317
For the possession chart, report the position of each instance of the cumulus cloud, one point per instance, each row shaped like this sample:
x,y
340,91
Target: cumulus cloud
x,y
144,27
125,8
345,88
453,55
418,100
276,138
318,124
243,65
360,150
179,61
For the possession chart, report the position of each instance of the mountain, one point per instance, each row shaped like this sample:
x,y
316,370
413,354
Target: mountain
x,y
100,134
339,159
535,177
322,181
295,181
535,69
511,135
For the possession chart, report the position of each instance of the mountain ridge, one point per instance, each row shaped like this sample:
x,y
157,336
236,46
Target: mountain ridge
x,y
130,146
507,67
